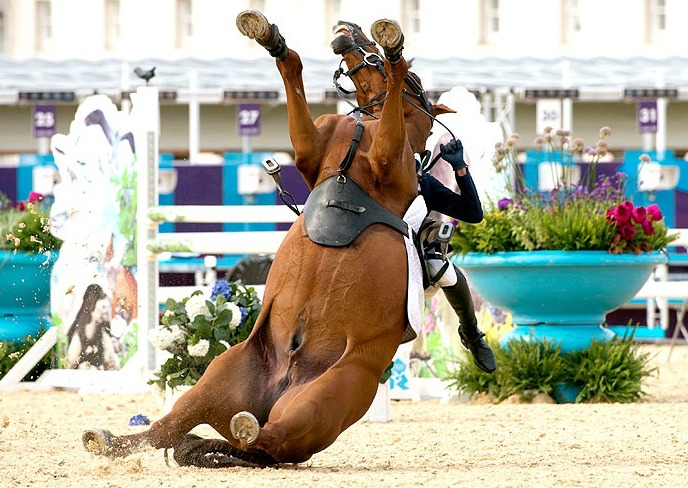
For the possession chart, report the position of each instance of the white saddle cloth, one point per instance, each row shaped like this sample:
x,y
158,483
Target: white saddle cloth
x,y
415,302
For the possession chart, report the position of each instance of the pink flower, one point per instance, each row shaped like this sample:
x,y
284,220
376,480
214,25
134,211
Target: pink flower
x,y
628,232
654,213
21,206
639,214
623,213
35,197
648,228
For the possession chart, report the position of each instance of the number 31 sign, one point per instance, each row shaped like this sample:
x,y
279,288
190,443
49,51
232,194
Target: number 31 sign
x,y
44,120
248,119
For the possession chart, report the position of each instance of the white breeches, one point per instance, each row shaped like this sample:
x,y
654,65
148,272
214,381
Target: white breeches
x,y
449,277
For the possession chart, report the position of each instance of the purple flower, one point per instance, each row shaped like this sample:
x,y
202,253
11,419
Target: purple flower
x,y
504,203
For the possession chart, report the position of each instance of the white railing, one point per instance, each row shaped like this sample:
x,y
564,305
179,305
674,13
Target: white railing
x,y
226,242
662,293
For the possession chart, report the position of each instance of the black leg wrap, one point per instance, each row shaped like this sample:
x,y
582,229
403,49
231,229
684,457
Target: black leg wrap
x,y
276,45
193,450
459,297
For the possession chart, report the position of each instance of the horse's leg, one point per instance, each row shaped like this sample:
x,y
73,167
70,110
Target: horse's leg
x,y
306,139
390,140
310,417
229,385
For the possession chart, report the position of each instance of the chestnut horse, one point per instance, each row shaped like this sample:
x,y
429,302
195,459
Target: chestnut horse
x,y
333,313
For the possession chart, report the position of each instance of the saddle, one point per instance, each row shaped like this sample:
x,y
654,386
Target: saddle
x,y
338,210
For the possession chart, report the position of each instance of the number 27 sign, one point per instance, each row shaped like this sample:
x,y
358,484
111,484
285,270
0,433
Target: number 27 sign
x,y
248,119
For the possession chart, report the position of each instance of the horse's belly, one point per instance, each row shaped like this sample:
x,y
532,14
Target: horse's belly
x,y
347,293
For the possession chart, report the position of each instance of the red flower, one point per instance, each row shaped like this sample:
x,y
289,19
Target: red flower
x,y
35,197
639,214
648,228
21,206
628,232
654,213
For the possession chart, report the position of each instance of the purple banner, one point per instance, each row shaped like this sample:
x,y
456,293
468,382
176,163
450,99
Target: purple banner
x,y
647,116
44,120
248,119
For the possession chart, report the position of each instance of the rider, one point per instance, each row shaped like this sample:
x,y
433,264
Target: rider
x,y
463,206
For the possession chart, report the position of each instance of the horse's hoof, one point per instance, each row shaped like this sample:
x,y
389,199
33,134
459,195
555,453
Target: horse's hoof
x,y
244,427
253,24
387,33
97,441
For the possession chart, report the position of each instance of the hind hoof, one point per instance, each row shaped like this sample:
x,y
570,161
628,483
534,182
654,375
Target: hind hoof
x,y
97,441
253,24
244,427
387,33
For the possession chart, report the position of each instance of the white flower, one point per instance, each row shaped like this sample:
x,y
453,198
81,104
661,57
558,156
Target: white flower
x,y
236,316
164,337
200,349
196,306
168,313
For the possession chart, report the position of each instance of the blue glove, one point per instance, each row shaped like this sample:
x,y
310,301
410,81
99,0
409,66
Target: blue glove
x,y
452,153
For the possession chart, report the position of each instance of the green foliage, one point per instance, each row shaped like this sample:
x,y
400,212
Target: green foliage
x,y
609,371
196,330
12,352
127,199
26,226
606,372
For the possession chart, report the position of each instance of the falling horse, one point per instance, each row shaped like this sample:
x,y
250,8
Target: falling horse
x,y
335,302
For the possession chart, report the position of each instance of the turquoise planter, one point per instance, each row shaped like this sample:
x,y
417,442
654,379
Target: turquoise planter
x,y
24,294
559,295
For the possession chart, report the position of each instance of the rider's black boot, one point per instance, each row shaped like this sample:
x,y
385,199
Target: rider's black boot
x,y
459,297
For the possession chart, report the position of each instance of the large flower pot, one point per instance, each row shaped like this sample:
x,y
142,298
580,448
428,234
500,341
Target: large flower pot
x,y
24,294
559,295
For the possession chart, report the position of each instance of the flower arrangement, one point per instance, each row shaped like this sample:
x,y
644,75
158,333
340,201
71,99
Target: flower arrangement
x,y
25,226
590,214
198,329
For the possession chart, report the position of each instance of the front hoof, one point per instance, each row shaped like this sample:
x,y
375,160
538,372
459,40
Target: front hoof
x,y
387,33
253,24
244,427
98,441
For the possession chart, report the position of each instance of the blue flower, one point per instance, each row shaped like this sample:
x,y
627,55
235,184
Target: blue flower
x,y
223,288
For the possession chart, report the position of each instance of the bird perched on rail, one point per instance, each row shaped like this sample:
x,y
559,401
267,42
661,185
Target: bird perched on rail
x,y
145,74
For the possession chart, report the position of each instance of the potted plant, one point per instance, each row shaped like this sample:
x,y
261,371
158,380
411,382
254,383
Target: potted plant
x,y
197,329
559,261
27,253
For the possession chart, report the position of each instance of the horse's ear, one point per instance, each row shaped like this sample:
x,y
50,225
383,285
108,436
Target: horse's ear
x,y
440,109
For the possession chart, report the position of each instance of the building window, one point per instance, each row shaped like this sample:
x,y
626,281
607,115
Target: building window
x,y
489,13
655,13
184,22
411,15
44,24
112,23
571,21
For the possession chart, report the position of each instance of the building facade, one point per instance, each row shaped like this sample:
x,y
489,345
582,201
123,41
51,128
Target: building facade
x,y
506,51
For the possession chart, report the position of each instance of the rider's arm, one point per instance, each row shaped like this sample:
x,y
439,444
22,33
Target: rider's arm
x,y
465,206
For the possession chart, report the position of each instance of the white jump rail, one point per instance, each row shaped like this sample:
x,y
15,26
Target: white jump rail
x,y
226,242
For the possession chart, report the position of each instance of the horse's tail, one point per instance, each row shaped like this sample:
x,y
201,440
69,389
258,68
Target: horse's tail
x,y
216,453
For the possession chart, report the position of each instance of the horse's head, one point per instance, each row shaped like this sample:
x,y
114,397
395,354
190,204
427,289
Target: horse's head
x,y
366,69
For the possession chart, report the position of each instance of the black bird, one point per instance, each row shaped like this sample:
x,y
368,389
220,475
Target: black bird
x,y
145,74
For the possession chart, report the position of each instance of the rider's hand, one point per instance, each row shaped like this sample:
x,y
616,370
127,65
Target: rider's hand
x,y
452,153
